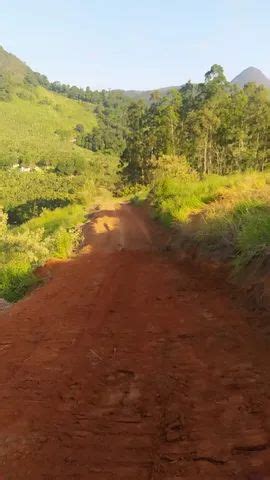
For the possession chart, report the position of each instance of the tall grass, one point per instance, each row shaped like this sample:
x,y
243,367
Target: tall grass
x,y
22,249
51,221
233,212
176,200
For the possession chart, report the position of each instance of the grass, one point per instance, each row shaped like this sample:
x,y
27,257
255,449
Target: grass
x,y
42,233
233,212
53,234
177,201
15,279
50,221
253,233
12,65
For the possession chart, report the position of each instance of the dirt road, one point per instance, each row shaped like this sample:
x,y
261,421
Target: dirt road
x,y
128,365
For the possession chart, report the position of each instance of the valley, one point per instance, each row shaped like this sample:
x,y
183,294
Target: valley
x,y
134,279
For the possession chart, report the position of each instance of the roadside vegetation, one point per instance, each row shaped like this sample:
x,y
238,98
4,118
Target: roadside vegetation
x,y
40,220
40,215
225,215
53,234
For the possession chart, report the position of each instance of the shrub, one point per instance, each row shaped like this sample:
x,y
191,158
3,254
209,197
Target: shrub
x,y
22,249
171,166
16,278
63,242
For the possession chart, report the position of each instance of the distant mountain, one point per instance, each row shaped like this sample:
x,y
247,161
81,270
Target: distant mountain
x,y
146,94
18,71
248,75
251,74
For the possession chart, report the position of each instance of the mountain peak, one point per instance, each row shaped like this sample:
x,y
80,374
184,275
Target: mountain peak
x,y
251,74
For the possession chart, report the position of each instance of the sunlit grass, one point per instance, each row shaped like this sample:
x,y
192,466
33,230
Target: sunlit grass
x,y
53,234
234,212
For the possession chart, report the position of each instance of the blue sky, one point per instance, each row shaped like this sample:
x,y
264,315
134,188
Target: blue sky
x,y
136,44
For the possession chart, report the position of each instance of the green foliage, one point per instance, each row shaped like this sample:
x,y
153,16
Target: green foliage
x,y
171,166
217,126
72,164
24,195
252,237
24,212
37,127
110,108
153,132
136,193
232,212
134,159
46,209
22,249
16,278
177,199
5,88
3,223
106,170
51,221
64,242
11,66
109,135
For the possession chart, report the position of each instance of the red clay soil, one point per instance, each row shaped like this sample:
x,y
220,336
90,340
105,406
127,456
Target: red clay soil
x,y
128,365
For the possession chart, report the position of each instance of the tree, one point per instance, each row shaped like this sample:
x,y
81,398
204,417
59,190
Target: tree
x,y
134,160
215,81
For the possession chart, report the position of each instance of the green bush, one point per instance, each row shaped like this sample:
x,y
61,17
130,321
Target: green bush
x,y
22,249
16,278
64,242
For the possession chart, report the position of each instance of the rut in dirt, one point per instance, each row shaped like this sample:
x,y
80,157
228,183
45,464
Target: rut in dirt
x,y
128,364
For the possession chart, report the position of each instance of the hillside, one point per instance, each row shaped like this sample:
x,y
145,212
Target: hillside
x,y
253,75
37,126
11,65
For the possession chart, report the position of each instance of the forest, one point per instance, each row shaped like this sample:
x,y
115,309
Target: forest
x,y
216,126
